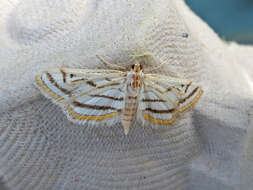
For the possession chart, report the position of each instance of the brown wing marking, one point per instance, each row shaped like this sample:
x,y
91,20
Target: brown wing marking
x,y
193,101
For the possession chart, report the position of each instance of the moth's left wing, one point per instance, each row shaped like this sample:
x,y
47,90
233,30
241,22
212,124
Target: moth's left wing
x,y
86,96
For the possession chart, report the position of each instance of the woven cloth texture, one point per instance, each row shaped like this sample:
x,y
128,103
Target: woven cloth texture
x,y
209,147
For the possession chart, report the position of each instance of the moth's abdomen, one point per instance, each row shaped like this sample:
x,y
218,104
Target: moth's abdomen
x,y
129,112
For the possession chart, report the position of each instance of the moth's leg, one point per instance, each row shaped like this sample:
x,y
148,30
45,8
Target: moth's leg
x,y
155,68
169,71
111,65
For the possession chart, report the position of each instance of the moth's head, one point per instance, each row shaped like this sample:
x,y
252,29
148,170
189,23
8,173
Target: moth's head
x,y
137,67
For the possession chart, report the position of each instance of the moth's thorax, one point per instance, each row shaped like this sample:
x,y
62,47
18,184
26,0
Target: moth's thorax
x,y
137,67
136,76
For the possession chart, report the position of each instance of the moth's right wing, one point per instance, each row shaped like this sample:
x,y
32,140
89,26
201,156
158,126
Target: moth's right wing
x,y
162,98
155,109
85,95
182,92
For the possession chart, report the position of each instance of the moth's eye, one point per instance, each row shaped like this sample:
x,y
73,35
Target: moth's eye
x,y
141,67
132,66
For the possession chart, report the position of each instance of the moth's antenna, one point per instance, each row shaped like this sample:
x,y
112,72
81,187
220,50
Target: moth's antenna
x,y
149,54
110,65
155,68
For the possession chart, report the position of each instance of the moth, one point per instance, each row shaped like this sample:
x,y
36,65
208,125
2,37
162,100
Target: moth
x,y
105,97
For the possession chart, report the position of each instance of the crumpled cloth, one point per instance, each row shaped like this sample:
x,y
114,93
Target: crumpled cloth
x,y
209,147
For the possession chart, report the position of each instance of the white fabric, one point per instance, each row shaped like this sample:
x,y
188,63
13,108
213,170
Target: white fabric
x,y
207,148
